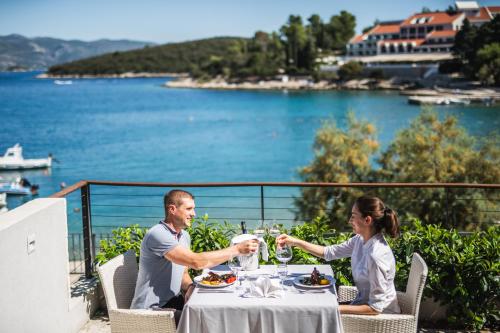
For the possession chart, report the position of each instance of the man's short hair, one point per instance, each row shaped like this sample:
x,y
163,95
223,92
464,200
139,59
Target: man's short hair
x,y
174,197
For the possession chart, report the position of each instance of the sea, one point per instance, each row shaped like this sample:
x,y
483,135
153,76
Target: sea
x,y
137,130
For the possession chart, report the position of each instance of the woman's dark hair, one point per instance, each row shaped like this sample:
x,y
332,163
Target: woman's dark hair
x,y
383,217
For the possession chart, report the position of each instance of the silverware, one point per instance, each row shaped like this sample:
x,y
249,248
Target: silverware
x,y
301,291
209,291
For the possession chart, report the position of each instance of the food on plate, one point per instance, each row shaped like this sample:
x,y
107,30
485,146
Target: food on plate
x,y
315,279
215,279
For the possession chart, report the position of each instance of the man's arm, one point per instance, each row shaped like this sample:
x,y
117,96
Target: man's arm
x,y
186,280
183,256
187,285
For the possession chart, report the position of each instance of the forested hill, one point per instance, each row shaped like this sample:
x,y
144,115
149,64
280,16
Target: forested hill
x,y
169,58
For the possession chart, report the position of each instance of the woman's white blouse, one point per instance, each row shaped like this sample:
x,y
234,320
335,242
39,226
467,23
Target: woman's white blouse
x,y
373,269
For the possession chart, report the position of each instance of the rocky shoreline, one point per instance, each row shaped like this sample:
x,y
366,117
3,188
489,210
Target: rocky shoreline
x,y
301,84
423,96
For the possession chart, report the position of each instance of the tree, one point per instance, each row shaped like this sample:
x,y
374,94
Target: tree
x,y
489,59
469,40
350,70
430,150
341,156
317,30
295,39
435,151
341,29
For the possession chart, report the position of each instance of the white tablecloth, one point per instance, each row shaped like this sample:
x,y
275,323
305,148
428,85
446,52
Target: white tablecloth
x,y
295,312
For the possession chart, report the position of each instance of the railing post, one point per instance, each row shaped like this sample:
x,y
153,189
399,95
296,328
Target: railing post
x,y
447,207
262,203
87,230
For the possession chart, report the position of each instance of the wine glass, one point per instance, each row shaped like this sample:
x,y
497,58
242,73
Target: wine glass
x,y
235,266
274,231
260,230
283,254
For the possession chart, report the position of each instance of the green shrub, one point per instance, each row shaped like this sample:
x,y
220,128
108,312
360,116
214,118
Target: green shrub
x,y
350,70
464,270
123,239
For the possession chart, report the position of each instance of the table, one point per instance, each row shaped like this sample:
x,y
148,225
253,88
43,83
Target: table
x,y
296,312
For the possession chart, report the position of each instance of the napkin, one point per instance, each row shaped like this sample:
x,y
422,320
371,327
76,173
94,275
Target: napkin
x,y
265,287
264,250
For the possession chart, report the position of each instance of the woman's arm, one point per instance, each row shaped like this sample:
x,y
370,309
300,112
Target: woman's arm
x,y
362,309
316,250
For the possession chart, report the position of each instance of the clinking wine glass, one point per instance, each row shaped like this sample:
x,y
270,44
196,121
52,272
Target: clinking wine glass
x,y
235,266
274,231
260,230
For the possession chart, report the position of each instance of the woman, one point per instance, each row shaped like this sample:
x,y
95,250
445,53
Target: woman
x,y
372,262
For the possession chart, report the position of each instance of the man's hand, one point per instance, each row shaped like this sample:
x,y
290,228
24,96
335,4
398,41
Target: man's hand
x,y
249,246
285,239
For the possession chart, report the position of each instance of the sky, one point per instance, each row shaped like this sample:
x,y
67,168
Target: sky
x,y
165,21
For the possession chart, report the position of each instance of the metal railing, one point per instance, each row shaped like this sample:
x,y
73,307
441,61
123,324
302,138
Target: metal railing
x,y
252,204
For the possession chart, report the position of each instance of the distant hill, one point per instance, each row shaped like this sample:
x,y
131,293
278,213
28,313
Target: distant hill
x,y
18,52
168,58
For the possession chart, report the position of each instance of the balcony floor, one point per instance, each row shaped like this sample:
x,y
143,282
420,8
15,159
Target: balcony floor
x,y
100,324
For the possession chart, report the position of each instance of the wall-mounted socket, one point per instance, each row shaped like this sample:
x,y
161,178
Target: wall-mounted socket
x,y
31,243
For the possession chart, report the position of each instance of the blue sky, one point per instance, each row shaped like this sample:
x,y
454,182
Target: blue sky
x,y
163,21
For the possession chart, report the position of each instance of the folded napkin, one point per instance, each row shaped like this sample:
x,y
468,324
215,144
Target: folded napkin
x,y
265,287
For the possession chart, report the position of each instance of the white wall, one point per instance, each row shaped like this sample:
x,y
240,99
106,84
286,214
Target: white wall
x,y
34,287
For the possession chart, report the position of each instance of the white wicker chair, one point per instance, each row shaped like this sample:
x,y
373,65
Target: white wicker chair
x,y
118,277
409,302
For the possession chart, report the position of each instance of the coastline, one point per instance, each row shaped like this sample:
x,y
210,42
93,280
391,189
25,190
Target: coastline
x,y
128,75
301,84
433,95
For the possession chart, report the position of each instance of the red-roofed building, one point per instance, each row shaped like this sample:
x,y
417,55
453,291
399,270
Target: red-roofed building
x,y
432,32
480,17
494,10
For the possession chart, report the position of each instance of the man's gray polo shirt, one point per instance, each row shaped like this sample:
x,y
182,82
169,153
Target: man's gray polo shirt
x,y
159,279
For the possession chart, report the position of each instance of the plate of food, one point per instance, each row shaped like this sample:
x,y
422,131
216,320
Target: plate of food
x,y
314,280
215,280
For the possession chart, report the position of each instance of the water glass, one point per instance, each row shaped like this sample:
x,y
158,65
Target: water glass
x,y
282,271
235,266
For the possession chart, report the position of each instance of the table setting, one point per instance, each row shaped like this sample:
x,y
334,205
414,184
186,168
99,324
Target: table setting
x,y
263,298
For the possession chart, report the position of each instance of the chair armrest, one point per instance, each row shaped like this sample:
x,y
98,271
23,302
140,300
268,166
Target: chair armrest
x,y
141,320
381,323
405,303
347,293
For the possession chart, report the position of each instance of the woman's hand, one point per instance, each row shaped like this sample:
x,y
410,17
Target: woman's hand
x,y
314,249
285,239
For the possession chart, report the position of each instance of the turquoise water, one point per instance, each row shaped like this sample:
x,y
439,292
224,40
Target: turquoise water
x,y
137,130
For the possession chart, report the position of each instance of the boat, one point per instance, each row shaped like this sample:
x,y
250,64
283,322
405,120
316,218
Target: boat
x,y
20,186
3,203
437,100
63,82
13,160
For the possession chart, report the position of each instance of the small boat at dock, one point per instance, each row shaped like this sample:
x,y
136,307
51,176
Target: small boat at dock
x,y
13,160
63,82
20,186
437,100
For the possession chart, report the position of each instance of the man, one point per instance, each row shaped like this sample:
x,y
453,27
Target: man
x,y
166,256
